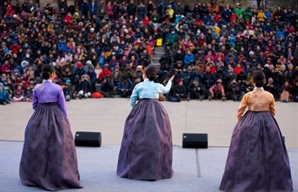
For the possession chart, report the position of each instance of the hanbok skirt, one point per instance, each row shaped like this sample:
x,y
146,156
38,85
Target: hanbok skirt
x,y
49,157
257,158
146,149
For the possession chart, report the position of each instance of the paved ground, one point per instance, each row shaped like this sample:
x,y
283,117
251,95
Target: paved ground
x,y
195,170
107,116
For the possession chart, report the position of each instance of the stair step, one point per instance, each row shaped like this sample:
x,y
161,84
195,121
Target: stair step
x,y
158,53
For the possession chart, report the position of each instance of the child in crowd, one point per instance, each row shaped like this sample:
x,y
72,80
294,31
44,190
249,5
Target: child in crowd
x,y
28,94
3,95
18,94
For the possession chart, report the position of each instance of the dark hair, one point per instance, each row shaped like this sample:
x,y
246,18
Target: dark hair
x,y
151,73
47,70
258,77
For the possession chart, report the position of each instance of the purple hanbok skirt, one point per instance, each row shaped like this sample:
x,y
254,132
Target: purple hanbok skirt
x,y
257,158
146,149
49,157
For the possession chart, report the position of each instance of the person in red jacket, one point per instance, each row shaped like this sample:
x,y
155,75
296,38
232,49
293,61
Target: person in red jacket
x,y
10,11
105,72
109,9
238,68
14,47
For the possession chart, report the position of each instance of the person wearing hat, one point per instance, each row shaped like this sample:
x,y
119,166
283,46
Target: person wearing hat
x,y
196,90
217,91
124,87
91,35
78,73
179,91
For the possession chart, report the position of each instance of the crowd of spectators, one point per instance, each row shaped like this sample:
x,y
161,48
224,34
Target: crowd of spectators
x,y
97,46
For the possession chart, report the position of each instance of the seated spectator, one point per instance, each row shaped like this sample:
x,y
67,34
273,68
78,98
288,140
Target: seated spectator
x,y
28,94
196,90
105,72
294,92
125,87
18,93
67,74
179,91
233,92
217,91
92,76
79,72
9,87
139,72
3,95
285,95
238,69
127,72
85,87
116,75
188,58
209,78
107,87
270,87
248,87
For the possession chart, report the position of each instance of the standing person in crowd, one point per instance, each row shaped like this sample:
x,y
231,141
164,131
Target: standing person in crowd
x,y
247,168
147,126
93,8
49,157
131,9
84,8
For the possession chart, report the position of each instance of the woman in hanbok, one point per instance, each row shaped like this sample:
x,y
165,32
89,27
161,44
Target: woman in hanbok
x,y
257,158
49,157
146,149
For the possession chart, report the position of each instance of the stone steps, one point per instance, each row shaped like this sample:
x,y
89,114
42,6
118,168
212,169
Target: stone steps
x,y
158,53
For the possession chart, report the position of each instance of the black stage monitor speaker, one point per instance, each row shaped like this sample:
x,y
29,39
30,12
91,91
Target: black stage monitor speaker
x,y
195,140
88,139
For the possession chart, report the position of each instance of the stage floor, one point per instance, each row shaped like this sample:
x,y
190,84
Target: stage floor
x,y
107,115
195,170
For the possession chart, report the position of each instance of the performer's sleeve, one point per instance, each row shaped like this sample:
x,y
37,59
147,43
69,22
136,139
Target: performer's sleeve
x,y
242,106
61,102
34,100
272,108
165,89
134,97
